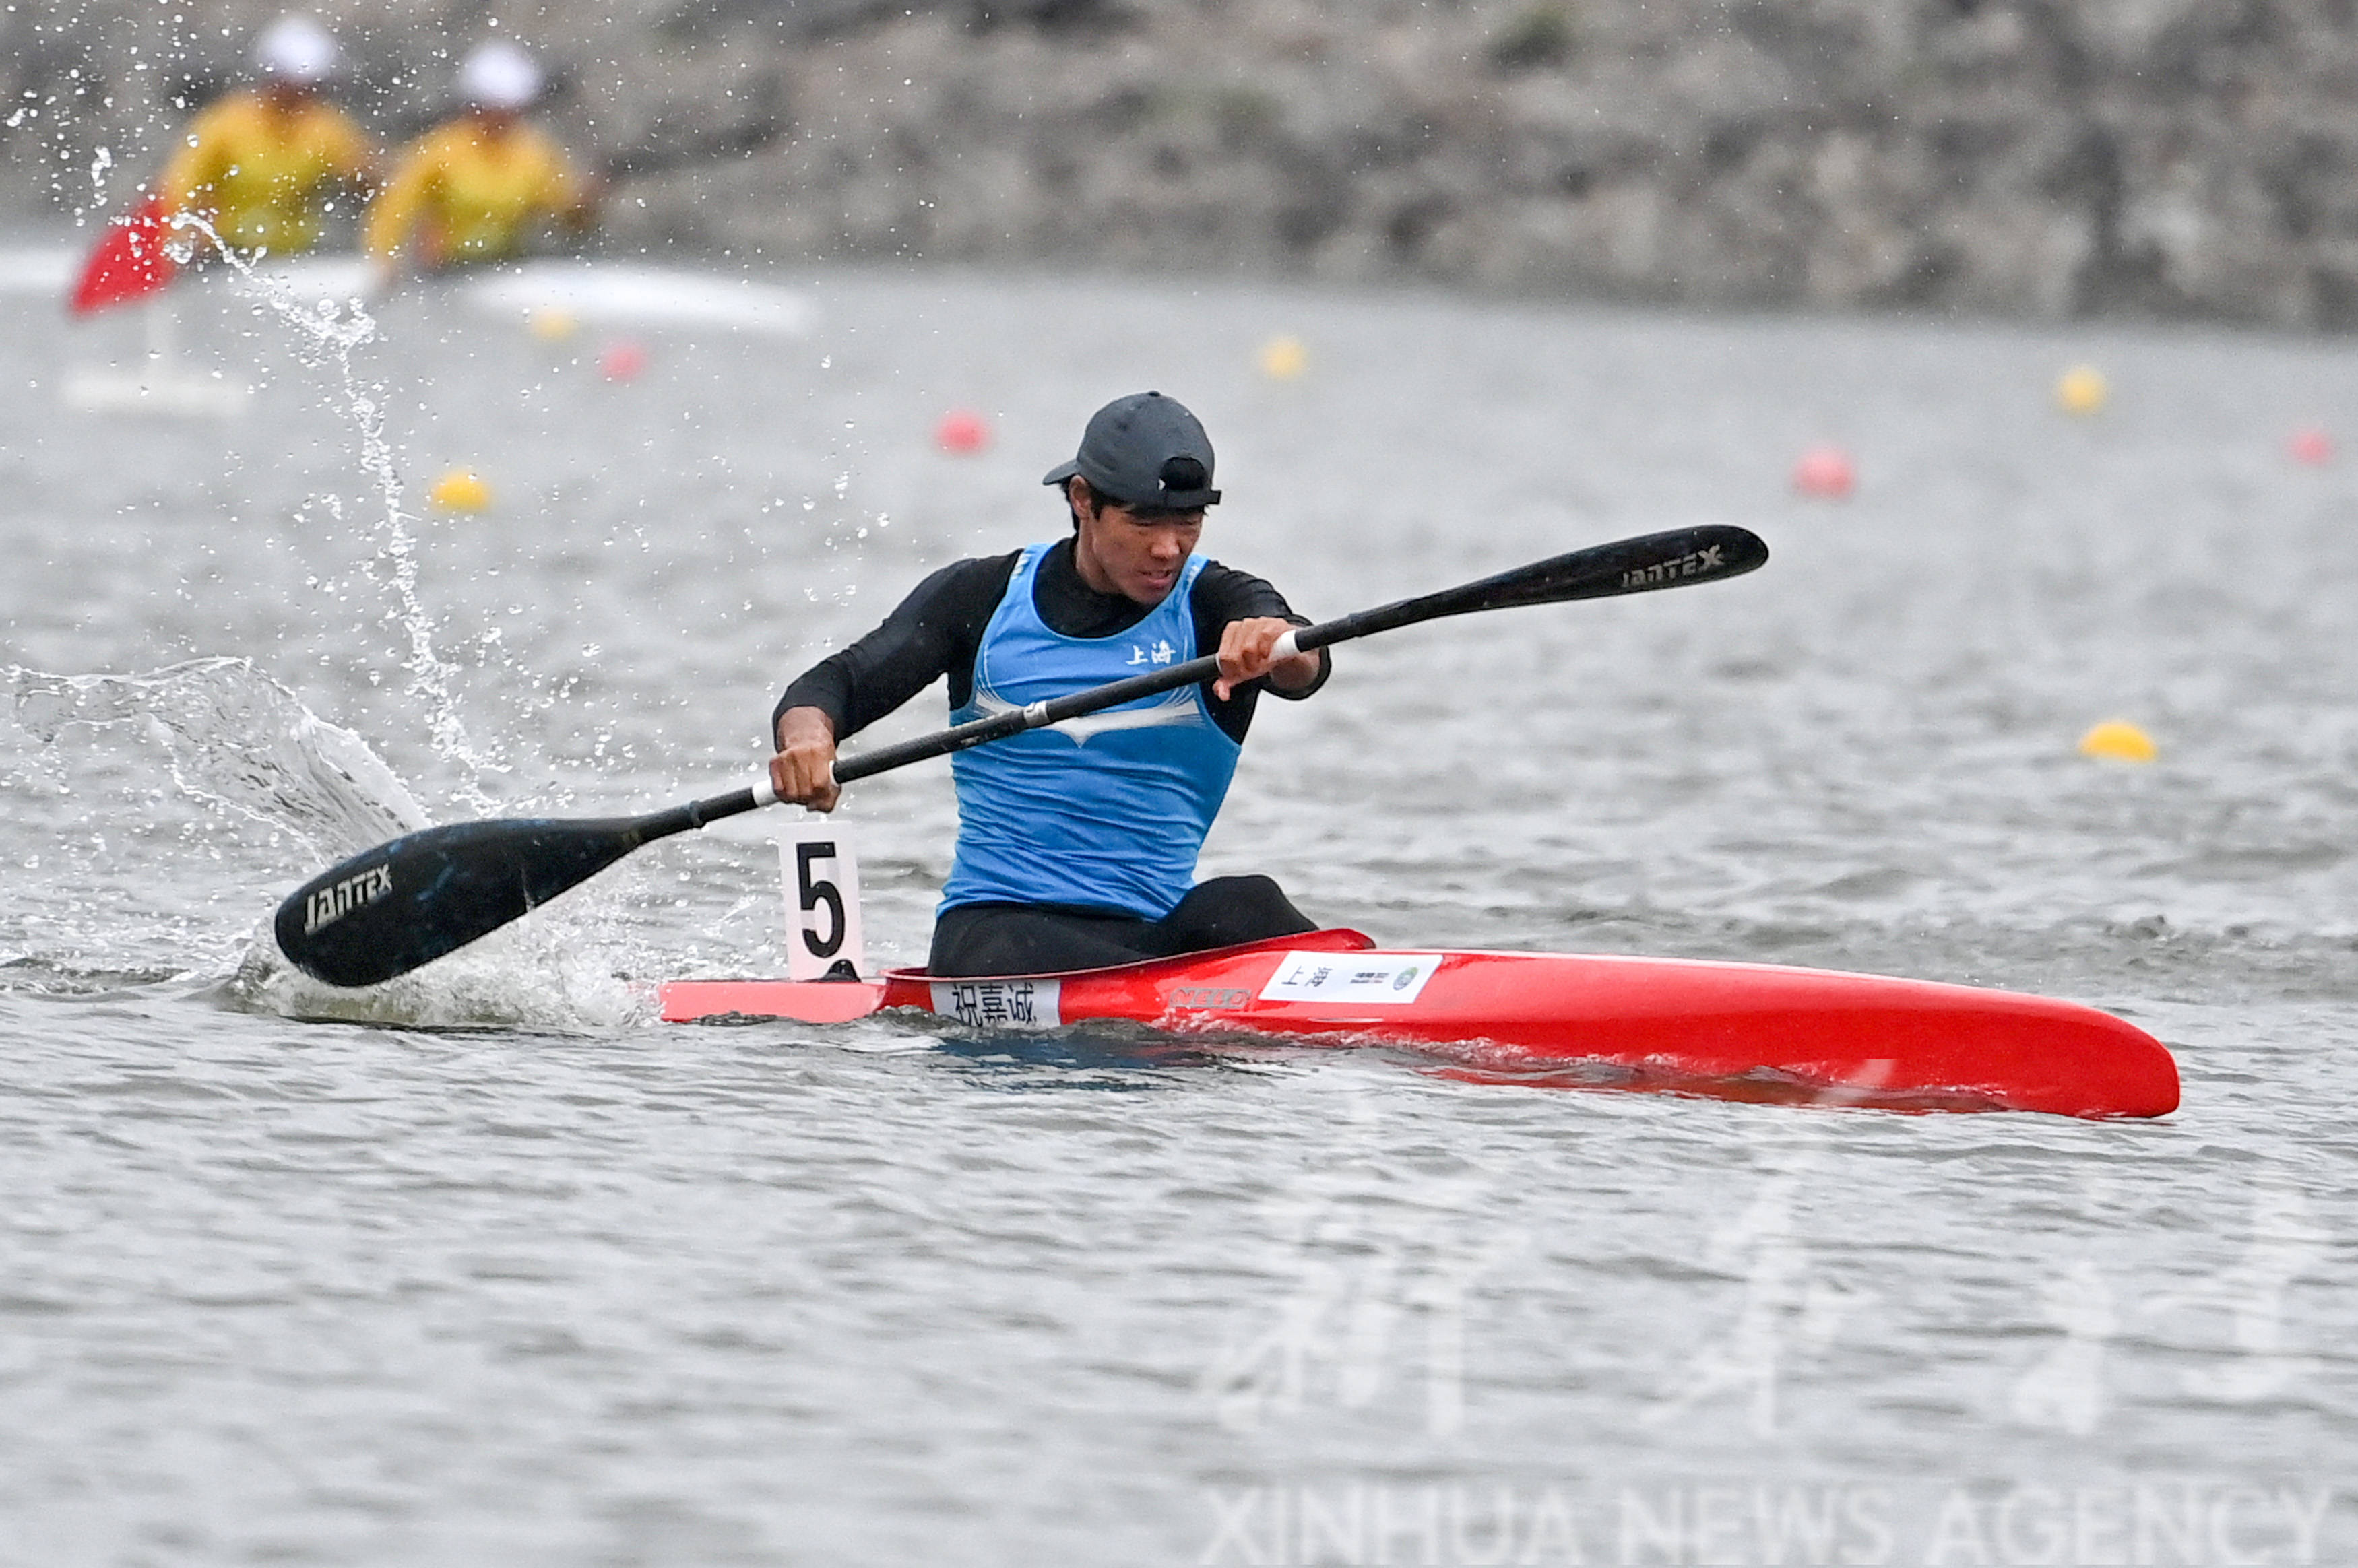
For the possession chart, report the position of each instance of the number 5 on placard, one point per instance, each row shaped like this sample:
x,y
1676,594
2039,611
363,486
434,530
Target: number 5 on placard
x,y
822,881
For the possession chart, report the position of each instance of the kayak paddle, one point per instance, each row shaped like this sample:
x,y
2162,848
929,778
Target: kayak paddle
x,y
388,910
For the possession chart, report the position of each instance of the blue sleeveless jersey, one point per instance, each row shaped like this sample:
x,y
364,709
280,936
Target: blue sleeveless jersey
x,y
1107,811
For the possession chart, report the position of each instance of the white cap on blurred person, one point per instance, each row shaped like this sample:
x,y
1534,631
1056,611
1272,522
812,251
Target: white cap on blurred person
x,y
498,74
297,49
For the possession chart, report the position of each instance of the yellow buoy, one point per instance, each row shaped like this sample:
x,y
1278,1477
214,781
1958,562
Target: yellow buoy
x,y
460,490
551,325
2080,390
1282,358
2117,740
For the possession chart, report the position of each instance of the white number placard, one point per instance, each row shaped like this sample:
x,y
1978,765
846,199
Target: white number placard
x,y
1384,978
821,871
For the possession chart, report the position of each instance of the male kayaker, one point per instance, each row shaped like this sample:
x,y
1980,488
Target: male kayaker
x,y
1077,843
263,165
476,188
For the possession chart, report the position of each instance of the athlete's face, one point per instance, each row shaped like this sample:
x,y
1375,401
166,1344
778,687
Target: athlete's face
x,y
1134,553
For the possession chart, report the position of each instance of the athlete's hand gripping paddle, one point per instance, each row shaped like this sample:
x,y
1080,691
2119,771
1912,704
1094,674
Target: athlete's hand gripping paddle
x,y
406,902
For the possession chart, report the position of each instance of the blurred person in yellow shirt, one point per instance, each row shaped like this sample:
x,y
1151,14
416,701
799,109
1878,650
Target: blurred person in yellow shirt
x,y
476,188
263,165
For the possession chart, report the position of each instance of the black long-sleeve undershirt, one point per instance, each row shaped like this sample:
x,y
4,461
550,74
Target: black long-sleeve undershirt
x,y
938,631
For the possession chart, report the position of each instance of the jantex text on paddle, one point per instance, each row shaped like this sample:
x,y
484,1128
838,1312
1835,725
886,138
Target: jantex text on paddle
x,y
332,903
1695,563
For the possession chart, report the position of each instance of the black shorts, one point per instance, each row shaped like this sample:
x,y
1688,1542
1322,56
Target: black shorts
x,y
1033,938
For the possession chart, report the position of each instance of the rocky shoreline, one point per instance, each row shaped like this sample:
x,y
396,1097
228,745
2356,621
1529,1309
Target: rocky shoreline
x,y
2167,158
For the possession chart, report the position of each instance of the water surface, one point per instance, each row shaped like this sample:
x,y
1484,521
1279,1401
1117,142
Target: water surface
x,y
491,1267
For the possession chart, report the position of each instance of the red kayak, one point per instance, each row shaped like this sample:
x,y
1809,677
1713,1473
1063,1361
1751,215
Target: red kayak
x,y
129,261
1734,1030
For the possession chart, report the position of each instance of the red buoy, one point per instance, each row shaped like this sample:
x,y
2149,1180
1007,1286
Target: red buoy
x,y
2311,445
962,431
1825,473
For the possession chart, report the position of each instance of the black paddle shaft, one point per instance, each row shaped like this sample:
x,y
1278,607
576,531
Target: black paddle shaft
x,y
384,912
1603,571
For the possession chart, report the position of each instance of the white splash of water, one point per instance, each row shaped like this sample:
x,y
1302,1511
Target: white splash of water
x,y
238,740
327,334
242,749
125,868
540,975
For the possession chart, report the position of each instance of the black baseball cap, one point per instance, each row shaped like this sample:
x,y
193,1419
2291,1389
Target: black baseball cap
x,y
1145,450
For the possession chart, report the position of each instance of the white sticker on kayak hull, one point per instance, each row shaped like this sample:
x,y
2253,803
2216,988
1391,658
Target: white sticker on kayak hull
x,y
1377,977
1000,1004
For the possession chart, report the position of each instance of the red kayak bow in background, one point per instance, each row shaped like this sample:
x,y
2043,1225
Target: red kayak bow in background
x,y
129,263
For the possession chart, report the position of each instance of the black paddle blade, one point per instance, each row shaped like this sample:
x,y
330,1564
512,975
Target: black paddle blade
x,y
1674,559
386,911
